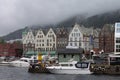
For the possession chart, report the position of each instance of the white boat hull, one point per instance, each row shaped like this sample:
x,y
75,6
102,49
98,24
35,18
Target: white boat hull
x,y
19,64
69,70
73,67
58,71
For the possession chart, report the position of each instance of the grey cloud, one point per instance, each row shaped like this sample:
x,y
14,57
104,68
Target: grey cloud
x,y
15,14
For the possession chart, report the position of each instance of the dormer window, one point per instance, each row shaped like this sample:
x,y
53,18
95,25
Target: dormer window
x,y
76,30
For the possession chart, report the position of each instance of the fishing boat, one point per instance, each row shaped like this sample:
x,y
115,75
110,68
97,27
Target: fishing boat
x,y
73,67
112,66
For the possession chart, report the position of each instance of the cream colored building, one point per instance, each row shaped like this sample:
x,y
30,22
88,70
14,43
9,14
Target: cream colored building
x,y
28,37
45,40
50,40
40,40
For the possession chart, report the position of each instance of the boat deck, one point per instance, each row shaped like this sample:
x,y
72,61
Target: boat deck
x,y
105,69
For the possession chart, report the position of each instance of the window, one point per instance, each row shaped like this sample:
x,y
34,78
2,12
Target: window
x,y
64,64
72,55
72,34
50,31
70,44
47,40
117,48
39,32
117,40
70,39
118,30
53,44
71,64
80,44
75,30
38,36
64,56
75,39
79,34
75,44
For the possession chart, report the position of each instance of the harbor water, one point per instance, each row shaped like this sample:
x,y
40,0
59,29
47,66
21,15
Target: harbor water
x,y
14,73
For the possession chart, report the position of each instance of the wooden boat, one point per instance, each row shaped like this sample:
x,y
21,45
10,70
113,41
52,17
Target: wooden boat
x,y
111,67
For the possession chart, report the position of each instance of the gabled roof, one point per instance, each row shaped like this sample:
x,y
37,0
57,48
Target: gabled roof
x,y
62,32
87,31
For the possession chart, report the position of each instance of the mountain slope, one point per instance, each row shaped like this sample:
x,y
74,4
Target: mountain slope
x,y
14,35
97,21
100,20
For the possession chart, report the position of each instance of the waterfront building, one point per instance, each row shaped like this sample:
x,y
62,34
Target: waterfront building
x,y
45,41
50,42
75,37
11,49
106,38
28,39
62,38
117,38
81,37
40,41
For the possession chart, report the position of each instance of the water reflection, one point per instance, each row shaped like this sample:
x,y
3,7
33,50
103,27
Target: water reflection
x,y
13,73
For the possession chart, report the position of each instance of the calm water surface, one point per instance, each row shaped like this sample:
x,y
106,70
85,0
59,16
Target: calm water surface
x,y
13,73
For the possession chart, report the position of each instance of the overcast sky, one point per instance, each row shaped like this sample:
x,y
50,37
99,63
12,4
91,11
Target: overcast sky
x,y
16,14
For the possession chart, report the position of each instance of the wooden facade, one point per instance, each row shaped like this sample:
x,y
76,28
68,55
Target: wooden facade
x,y
62,38
106,38
11,49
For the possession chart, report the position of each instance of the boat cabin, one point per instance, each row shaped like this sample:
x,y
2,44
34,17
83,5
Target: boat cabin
x,y
74,64
114,59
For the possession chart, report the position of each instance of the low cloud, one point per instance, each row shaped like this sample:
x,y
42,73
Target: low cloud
x,y
15,14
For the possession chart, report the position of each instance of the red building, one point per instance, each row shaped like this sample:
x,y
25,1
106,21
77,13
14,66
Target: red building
x,y
11,49
106,38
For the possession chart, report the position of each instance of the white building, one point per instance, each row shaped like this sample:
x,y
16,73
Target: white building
x,y
81,37
50,40
75,37
117,38
28,40
28,37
